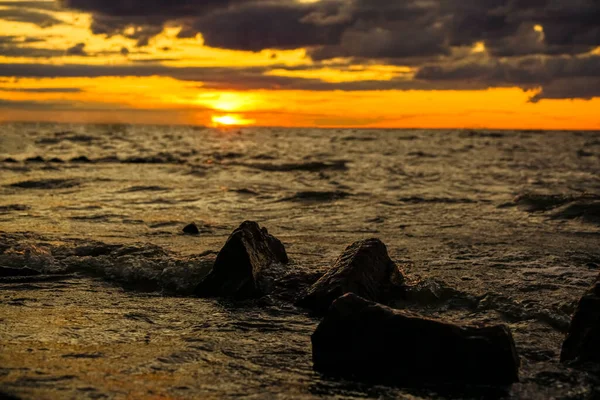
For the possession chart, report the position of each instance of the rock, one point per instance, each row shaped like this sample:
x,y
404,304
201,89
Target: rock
x,y
246,266
9,271
582,344
81,160
364,268
37,159
10,160
56,160
359,339
191,229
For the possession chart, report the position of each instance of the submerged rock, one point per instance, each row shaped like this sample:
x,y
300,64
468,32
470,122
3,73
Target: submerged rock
x,y
535,202
191,229
246,266
582,344
359,339
364,268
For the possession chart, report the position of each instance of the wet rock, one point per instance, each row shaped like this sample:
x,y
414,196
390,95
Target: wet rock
x,y
161,158
246,266
582,344
191,229
586,210
364,268
9,271
313,196
532,202
37,159
583,153
310,166
46,184
81,160
359,339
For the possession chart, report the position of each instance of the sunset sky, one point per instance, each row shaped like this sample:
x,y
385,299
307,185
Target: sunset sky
x,y
526,64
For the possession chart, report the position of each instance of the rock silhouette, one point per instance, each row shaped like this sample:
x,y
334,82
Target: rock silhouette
x,y
10,272
247,266
364,268
360,339
582,344
191,229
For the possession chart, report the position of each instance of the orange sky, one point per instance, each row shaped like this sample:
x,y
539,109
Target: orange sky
x,y
165,98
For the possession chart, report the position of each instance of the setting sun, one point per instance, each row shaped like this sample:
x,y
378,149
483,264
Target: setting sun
x,y
229,120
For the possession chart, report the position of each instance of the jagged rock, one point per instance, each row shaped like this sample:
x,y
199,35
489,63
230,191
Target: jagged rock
x,y
582,344
360,339
246,266
364,268
191,229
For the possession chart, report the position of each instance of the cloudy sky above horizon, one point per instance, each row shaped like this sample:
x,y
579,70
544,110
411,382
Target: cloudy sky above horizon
x,y
528,64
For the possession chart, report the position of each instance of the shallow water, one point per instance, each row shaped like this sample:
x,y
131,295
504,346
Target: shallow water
x,y
510,221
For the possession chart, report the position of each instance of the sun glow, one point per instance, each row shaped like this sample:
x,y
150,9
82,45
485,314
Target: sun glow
x,y
230,120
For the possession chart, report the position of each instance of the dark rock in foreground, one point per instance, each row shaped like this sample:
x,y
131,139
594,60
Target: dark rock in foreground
x,y
246,266
191,229
9,271
359,339
364,268
582,344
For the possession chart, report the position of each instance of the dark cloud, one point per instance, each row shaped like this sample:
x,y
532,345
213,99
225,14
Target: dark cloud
x,y
394,28
558,77
13,46
271,26
166,9
35,5
551,75
23,14
584,88
77,50
543,44
224,78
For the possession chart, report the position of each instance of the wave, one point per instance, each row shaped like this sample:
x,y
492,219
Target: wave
x,y
46,184
316,196
311,166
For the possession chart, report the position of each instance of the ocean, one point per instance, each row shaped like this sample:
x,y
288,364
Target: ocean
x,y
508,220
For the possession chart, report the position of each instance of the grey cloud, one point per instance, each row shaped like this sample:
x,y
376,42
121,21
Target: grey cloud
x,y
583,88
35,5
18,14
558,77
12,46
221,78
77,50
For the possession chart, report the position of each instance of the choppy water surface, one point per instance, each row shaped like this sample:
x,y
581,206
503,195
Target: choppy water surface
x,y
508,220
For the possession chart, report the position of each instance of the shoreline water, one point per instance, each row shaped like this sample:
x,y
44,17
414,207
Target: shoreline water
x,y
510,220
